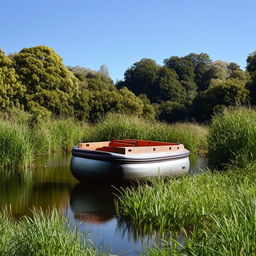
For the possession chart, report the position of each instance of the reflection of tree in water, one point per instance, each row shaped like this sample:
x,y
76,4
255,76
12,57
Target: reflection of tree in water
x,y
148,234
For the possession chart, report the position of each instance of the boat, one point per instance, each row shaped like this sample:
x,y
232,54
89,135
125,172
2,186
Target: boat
x,y
128,159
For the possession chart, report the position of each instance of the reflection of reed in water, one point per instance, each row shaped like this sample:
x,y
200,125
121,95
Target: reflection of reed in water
x,y
47,196
147,234
46,187
54,168
15,189
92,204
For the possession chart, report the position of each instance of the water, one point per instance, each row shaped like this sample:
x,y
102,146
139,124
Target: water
x,y
88,206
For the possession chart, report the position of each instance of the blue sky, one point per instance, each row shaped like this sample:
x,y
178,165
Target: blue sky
x,y
117,33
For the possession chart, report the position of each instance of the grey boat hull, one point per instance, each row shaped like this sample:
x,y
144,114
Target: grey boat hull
x,y
86,166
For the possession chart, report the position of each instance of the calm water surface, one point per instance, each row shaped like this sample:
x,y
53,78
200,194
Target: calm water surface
x,y
89,206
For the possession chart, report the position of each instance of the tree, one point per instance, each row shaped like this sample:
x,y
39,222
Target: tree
x,y
48,82
251,68
104,70
170,89
251,62
230,92
141,77
171,111
11,90
201,63
185,70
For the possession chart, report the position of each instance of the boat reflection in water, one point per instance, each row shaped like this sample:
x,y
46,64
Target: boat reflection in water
x,y
93,208
93,204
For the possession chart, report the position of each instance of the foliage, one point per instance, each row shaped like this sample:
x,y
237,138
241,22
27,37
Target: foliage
x,y
119,126
211,221
41,235
221,93
11,90
141,77
171,111
251,68
185,70
36,80
201,63
15,148
48,82
232,137
170,89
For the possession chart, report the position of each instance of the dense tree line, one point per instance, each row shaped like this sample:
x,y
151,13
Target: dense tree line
x,y
36,80
192,87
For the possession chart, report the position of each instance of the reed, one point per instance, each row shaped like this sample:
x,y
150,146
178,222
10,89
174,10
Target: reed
x,y
15,147
67,133
5,226
215,211
185,202
233,234
42,235
118,126
232,138
20,142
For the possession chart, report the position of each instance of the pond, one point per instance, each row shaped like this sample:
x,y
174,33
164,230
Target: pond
x,y
90,207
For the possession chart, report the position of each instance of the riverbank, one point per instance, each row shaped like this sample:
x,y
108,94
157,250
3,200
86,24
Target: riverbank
x,y
21,142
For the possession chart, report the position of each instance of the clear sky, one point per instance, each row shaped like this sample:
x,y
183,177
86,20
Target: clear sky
x,y
118,33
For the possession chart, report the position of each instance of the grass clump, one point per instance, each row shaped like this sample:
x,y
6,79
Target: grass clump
x,y
215,212
67,133
20,142
193,136
121,126
15,147
232,235
41,235
232,138
185,202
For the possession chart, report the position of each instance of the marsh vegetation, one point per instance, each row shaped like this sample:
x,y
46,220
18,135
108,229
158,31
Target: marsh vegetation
x,y
214,211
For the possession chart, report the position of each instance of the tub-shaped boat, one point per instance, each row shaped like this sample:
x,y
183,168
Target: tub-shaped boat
x,y
128,160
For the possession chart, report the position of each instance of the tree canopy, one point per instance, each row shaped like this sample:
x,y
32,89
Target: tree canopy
x,y
183,88
11,89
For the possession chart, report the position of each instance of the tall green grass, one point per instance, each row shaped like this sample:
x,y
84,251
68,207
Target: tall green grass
x,y
67,133
185,202
216,212
41,235
232,138
20,142
232,235
119,126
15,148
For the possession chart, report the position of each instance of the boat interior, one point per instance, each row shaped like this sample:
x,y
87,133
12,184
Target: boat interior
x,y
131,146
